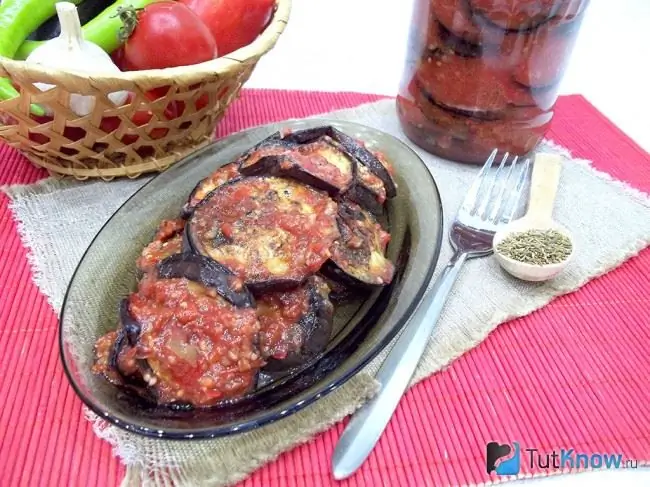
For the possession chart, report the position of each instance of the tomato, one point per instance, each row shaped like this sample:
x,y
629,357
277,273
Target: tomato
x,y
233,23
118,58
202,101
168,34
141,117
71,133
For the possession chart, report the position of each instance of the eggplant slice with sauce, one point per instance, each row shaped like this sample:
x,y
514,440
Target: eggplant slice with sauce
x,y
368,191
207,185
352,147
115,356
295,325
359,256
272,232
139,359
167,241
321,163
210,274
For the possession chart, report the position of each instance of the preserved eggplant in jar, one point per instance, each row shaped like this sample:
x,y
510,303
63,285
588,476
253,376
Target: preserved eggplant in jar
x,y
484,74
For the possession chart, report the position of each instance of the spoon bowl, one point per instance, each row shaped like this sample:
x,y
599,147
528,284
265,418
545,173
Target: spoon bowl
x,y
523,270
543,188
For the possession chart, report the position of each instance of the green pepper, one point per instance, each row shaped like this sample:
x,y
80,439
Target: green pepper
x,y
18,18
105,30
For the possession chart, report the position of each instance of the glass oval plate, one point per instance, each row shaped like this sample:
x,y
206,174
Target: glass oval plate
x,y
362,329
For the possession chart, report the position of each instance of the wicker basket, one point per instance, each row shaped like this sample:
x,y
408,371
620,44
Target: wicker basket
x,y
107,143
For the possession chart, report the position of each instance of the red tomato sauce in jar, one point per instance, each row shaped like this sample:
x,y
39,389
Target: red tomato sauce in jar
x,y
279,315
201,349
484,74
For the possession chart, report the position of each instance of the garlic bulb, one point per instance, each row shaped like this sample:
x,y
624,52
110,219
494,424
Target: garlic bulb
x,y
71,52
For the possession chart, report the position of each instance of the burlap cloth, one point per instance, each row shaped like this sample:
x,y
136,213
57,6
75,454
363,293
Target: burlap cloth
x,y
610,222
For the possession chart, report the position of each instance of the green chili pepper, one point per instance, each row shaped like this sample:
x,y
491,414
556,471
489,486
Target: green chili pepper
x,y
104,30
18,18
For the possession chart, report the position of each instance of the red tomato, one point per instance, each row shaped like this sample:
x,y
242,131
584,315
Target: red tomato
x,y
202,101
141,117
118,58
168,34
233,23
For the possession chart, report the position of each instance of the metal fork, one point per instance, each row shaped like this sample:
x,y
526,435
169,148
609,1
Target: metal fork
x,y
491,202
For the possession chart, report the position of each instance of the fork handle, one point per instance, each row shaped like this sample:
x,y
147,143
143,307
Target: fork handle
x,y
368,423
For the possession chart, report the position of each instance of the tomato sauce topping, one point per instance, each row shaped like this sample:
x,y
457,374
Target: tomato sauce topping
x,y
103,351
201,349
279,315
213,181
321,159
268,228
327,162
167,241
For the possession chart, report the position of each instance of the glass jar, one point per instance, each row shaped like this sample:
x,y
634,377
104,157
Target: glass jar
x,y
484,74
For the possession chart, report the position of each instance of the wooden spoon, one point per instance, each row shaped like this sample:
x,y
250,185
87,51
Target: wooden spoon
x,y
543,188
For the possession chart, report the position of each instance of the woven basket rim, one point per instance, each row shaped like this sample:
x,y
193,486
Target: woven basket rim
x,y
222,65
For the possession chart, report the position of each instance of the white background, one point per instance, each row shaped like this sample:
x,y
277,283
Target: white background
x,y
359,45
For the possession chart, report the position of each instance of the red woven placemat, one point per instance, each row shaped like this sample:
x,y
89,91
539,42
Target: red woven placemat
x,y
575,374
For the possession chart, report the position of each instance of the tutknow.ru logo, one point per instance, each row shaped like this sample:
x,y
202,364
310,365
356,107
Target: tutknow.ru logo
x,y
506,459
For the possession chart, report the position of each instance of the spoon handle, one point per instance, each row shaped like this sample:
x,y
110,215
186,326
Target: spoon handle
x,y
543,185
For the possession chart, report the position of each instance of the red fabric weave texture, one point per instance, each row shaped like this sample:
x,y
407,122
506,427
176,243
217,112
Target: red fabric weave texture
x,y
575,374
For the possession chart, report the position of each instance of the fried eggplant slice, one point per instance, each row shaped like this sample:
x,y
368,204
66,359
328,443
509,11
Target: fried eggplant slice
x,y
295,325
206,186
271,232
209,273
117,362
340,292
352,147
167,241
130,326
106,349
368,191
358,256
201,349
320,163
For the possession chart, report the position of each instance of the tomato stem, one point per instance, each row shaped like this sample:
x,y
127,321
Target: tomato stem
x,y
129,18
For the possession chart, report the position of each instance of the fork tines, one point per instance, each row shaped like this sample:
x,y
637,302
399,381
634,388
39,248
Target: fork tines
x,y
495,194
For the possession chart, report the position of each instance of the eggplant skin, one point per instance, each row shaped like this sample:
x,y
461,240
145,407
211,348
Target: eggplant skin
x,y
223,175
130,326
88,10
270,141
368,191
358,257
340,292
352,147
108,350
364,197
333,170
315,325
211,274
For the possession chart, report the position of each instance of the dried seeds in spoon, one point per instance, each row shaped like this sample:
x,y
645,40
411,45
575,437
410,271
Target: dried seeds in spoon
x,y
535,247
